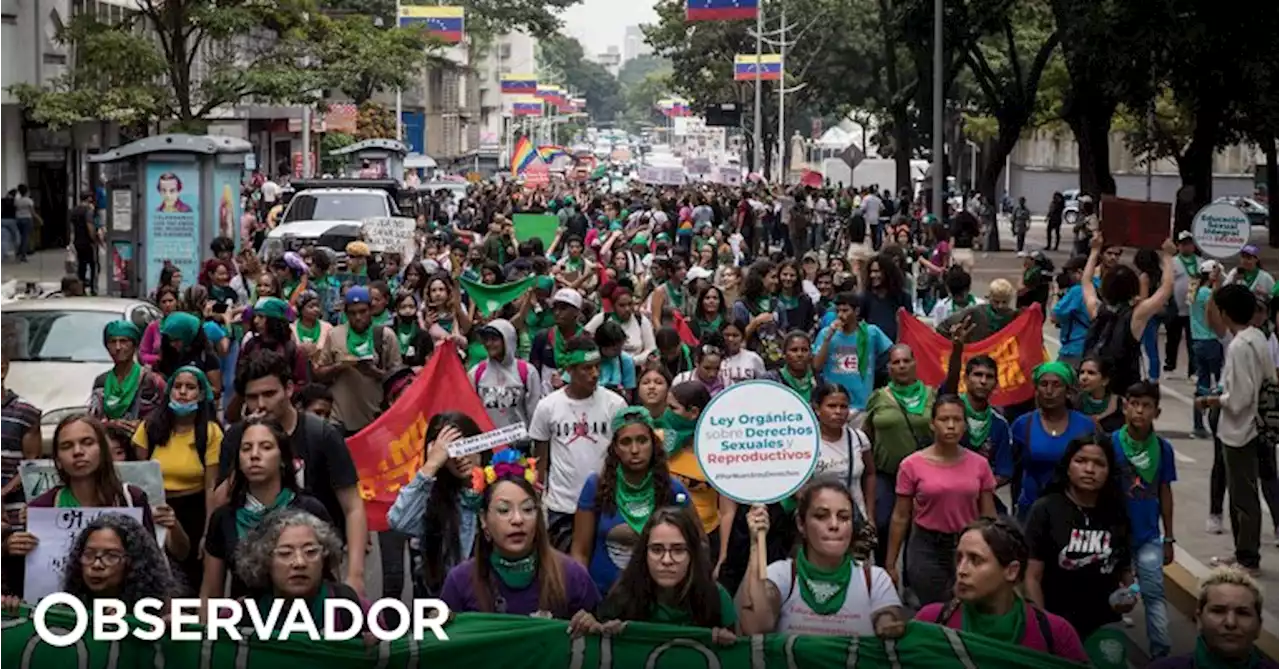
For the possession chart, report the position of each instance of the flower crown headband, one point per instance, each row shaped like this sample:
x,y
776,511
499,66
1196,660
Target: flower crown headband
x,y
505,462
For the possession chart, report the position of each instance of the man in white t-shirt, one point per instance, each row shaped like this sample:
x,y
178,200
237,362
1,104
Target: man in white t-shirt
x,y
571,433
871,207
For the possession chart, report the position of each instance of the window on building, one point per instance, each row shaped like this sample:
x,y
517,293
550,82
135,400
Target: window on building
x,y
504,51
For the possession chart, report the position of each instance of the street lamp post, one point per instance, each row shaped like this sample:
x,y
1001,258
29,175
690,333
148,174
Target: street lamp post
x,y
938,99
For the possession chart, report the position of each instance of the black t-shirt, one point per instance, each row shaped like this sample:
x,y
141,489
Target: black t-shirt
x,y
1083,559
323,462
221,538
81,223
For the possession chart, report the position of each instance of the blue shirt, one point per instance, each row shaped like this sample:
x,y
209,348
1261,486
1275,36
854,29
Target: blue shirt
x,y
214,332
615,541
844,367
1143,497
618,372
1041,452
1073,322
1200,330
997,450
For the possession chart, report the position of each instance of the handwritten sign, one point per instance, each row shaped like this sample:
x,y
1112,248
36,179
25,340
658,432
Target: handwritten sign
x,y
488,440
388,233
1220,230
56,530
40,476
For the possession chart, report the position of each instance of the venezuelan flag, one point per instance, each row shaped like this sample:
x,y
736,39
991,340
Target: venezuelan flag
x,y
519,84
721,10
522,156
746,68
526,107
444,23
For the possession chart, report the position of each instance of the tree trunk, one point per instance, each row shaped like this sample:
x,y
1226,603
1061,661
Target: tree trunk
x,y
1090,120
1195,167
1273,182
993,157
901,148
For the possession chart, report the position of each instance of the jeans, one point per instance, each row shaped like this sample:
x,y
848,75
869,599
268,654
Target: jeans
x,y
1176,330
1151,349
1054,236
1148,565
25,227
1206,357
932,575
10,239
877,236
886,497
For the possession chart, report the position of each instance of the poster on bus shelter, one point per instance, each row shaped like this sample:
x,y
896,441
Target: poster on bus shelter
x,y
173,220
226,187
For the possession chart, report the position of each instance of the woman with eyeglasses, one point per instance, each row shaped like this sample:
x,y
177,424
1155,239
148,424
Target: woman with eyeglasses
x,y
264,481
671,585
708,357
991,558
821,589
616,502
685,403
515,569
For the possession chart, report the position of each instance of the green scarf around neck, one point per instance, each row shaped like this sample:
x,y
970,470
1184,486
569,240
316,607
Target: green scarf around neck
x,y
405,334
315,603
1092,407
997,319
309,334
635,501
559,346
823,590
912,397
360,344
1190,264
803,385
118,395
1206,659
862,343
1144,455
969,301
677,431
978,422
515,574
252,513
66,499
1007,628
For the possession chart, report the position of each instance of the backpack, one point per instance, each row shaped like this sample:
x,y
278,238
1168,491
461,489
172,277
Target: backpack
x,y
522,368
1267,419
1042,621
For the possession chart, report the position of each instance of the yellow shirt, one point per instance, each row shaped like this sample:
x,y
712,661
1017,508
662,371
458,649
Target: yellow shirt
x,y
178,460
684,466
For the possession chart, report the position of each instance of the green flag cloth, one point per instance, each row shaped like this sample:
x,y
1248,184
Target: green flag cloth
x,y
599,172
489,299
495,640
542,226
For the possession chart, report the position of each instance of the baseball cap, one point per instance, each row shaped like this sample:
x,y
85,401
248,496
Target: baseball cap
x,y
568,296
356,295
1206,266
1186,236
1249,249
695,273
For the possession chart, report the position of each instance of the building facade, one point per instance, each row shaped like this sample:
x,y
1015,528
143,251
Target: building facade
x,y
633,44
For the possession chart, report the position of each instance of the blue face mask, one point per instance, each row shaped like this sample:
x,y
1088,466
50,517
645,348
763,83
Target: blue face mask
x,y
183,408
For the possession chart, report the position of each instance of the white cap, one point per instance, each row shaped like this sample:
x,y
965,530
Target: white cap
x,y
568,296
1207,266
696,272
1186,235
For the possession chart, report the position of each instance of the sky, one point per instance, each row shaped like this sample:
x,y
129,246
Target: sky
x,y
599,24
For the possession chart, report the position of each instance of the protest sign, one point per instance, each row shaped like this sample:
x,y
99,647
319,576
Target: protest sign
x,y
1220,230
39,476
542,226
56,530
1017,348
388,234
661,176
730,176
1135,223
488,440
390,450
497,640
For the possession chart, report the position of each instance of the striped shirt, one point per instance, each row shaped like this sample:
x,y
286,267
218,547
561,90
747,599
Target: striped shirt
x,y
17,417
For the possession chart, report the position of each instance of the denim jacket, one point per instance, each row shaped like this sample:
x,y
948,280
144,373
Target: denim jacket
x,y
406,516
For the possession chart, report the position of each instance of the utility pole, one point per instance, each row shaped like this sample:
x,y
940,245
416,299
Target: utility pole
x,y
756,129
782,98
939,179
781,43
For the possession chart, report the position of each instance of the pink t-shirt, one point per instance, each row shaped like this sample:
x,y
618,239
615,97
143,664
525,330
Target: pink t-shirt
x,y
945,495
1066,643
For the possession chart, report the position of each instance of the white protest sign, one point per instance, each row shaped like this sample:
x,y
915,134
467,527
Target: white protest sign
x,y
757,442
38,476
388,234
488,440
730,176
1220,230
56,530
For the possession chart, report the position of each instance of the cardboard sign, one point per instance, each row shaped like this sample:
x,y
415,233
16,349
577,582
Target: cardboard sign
x,y
388,234
488,440
56,530
1135,223
1220,230
757,442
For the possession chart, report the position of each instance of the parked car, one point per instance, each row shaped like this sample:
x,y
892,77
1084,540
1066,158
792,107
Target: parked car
x,y
58,352
1258,214
1071,207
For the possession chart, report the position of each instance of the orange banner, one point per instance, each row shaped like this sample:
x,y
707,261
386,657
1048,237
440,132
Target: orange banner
x,y
391,449
1017,348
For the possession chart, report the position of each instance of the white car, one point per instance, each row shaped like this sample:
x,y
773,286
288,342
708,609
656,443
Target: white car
x,y
58,352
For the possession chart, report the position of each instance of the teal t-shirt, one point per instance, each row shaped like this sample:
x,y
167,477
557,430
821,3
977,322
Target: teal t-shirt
x,y
1200,330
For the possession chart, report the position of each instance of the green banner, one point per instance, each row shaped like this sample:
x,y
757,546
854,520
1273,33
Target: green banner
x,y
542,226
487,640
489,299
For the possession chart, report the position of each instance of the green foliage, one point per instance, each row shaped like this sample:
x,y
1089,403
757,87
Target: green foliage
x,y
330,142
636,70
373,121
566,62
361,58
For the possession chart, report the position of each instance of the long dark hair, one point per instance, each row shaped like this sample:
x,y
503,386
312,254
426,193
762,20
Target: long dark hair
x,y
106,484
147,572
441,520
635,595
552,595
797,289
159,425
288,479
890,273
1111,497
753,283
608,485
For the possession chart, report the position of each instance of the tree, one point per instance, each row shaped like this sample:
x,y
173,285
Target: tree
x,y
361,58
483,17
373,121
565,59
639,68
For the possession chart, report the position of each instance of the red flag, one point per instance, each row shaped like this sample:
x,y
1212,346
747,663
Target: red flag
x,y
391,449
682,326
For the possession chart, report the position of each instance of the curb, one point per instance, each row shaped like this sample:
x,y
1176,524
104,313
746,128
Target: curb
x,y
1182,591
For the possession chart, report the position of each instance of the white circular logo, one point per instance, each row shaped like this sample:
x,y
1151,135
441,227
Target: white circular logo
x,y
757,442
1220,230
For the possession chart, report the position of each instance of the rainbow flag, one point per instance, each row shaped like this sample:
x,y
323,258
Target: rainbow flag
x,y
526,106
549,152
721,10
444,23
519,84
522,156
768,68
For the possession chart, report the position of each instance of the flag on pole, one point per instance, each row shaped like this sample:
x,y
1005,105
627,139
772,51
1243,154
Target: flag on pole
x,y
444,23
489,299
747,68
527,107
721,10
519,84
522,155
550,152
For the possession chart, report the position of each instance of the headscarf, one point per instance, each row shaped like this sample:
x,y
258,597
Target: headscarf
x,y
628,415
1056,367
182,326
272,307
121,328
200,379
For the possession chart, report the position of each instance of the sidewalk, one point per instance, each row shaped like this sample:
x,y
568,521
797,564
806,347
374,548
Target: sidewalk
x,y
48,266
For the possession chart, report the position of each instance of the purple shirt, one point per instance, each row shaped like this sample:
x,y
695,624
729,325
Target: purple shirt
x,y
1066,643
580,591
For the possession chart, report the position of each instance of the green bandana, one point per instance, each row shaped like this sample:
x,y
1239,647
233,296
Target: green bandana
x,y
1030,274
576,358
490,299
635,502
676,296
201,380
515,574
677,431
1092,407
308,335
862,342
121,329
803,385
1143,455
314,604
628,415
470,500
290,286
406,333
360,344
1007,628
558,347
979,423
1190,264
540,320
824,590
957,306
272,307
1205,659
381,318
705,327
788,301
575,265
1057,368
117,395
996,319
252,513
1249,276
181,326
912,397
